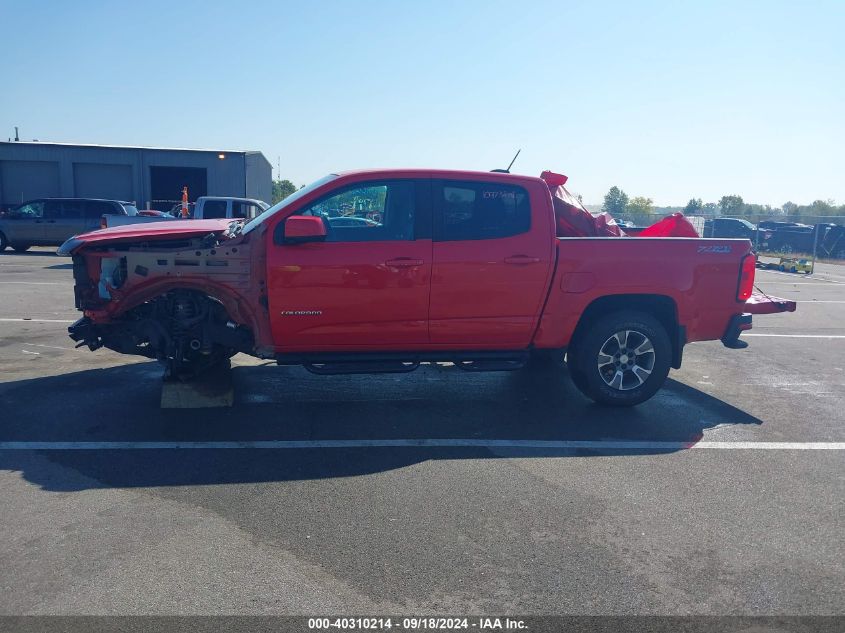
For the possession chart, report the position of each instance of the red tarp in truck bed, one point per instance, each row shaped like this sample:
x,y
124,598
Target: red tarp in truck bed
x,y
758,303
573,220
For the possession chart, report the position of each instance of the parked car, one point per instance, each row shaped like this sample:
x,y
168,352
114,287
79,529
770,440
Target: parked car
x,y
462,266
792,265
828,240
729,227
225,207
205,207
51,221
781,224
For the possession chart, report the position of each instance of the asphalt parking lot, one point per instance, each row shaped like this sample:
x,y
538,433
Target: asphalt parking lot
x,y
499,524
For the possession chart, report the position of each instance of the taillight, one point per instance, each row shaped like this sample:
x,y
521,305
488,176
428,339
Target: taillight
x,y
746,277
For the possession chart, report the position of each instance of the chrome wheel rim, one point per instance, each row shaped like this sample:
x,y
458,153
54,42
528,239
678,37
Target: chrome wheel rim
x,y
626,360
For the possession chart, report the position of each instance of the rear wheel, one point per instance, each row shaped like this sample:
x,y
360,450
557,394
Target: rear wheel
x,y
623,359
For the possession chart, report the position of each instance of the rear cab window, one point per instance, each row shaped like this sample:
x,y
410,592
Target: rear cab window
x,y
478,210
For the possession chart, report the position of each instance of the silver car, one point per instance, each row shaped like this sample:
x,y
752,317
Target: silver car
x,y
51,221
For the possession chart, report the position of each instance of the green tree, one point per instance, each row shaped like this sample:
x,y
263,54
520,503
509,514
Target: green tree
x,y
615,202
732,205
640,206
824,207
694,207
789,208
282,189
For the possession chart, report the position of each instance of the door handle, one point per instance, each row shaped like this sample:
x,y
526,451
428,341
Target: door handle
x,y
521,260
403,262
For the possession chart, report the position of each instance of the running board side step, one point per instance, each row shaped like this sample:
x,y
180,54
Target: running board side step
x,y
492,364
403,362
362,367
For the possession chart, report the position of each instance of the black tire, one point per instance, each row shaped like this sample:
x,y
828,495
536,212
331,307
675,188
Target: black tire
x,y
3,242
21,248
626,379
575,372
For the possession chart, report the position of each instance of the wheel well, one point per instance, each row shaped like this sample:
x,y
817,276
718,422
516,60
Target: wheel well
x,y
661,307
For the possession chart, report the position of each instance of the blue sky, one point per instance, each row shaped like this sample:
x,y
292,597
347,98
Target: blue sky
x,y
668,100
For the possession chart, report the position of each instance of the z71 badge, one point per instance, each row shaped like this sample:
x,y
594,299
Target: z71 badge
x,y
716,248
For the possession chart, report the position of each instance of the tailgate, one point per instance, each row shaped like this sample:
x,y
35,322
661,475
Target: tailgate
x,y
758,303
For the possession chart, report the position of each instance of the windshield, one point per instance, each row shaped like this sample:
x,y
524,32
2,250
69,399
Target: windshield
x,y
283,204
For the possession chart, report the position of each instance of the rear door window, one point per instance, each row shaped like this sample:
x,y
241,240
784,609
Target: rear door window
x,y
53,209
468,210
98,208
214,209
72,209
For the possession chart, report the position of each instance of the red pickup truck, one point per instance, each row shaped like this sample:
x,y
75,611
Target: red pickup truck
x,y
376,271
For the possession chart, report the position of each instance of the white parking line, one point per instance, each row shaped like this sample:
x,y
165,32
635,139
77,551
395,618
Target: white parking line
x,y
37,321
606,445
763,282
37,283
801,275
828,336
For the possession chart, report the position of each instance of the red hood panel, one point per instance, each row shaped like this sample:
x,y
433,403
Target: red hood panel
x,y
156,230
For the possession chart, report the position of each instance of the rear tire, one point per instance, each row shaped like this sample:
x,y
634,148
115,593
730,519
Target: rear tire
x,y
623,359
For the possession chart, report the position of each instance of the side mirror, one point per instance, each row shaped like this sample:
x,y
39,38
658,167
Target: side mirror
x,y
304,228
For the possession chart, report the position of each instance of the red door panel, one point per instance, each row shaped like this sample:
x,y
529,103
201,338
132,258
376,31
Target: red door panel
x,y
366,287
487,292
357,295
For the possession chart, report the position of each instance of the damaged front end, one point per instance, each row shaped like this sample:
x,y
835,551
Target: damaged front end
x,y
189,303
184,329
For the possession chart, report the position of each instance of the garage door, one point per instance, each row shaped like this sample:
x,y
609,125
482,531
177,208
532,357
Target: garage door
x,y
95,180
22,180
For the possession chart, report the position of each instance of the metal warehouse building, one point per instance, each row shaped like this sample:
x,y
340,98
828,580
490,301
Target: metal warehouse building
x,y
148,176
